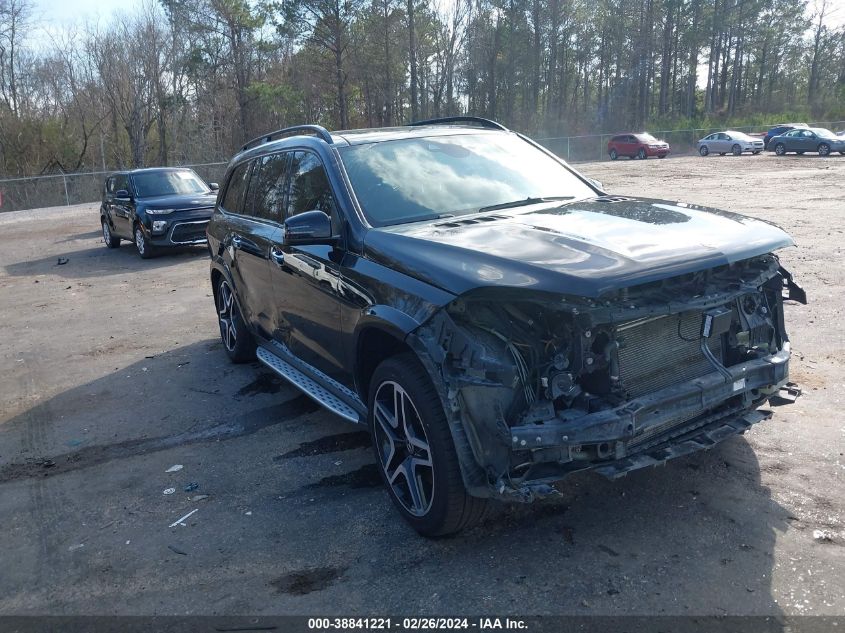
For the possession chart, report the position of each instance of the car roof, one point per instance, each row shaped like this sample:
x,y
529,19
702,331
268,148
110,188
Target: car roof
x,y
376,135
346,138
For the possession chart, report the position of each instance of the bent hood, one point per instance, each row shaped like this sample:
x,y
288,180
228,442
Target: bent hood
x,y
583,248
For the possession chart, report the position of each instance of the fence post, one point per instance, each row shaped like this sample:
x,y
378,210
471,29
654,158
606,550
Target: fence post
x,y
67,198
567,150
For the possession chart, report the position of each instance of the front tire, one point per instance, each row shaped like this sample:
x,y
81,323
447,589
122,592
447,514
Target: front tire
x,y
613,154
780,149
824,149
110,240
704,150
142,244
415,452
237,339
641,154
736,150
756,151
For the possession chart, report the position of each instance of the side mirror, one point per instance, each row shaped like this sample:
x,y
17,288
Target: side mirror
x,y
311,227
213,186
595,184
121,193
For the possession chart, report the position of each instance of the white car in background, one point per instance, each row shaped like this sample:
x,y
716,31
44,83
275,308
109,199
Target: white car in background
x,y
730,141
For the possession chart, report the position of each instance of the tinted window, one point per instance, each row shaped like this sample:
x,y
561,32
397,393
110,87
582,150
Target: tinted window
x,y
309,185
235,190
121,181
168,183
110,185
415,179
268,189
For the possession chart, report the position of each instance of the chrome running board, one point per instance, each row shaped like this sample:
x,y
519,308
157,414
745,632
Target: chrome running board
x,y
309,386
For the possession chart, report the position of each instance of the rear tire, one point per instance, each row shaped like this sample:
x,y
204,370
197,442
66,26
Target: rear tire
x,y
237,339
415,452
704,150
641,154
613,154
142,245
736,150
110,240
824,149
780,149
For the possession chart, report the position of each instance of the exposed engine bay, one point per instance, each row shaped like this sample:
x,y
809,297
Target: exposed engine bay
x,y
542,385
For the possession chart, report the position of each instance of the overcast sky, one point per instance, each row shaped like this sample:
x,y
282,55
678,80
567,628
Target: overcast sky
x,y
60,13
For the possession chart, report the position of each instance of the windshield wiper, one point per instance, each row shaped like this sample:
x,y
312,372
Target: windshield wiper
x,y
524,202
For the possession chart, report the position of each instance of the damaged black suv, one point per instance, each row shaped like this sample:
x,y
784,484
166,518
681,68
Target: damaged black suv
x,y
495,318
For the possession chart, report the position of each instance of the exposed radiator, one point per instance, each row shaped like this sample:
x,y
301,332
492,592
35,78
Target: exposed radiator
x,y
658,352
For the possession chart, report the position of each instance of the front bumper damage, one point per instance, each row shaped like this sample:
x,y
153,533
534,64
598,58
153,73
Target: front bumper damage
x,y
610,386
647,431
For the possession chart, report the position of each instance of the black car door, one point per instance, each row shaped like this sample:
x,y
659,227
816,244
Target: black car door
x,y
246,244
307,277
121,206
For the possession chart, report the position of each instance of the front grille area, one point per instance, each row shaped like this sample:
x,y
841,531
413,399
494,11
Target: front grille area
x,y
188,232
659,352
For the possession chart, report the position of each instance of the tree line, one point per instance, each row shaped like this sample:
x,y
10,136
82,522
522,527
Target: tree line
x,y
188,81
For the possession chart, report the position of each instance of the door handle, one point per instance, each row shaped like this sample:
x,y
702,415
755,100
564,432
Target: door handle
x,y
277,256
236,241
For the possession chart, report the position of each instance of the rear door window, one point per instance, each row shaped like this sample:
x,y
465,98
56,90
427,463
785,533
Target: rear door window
x,y
268,189
233,199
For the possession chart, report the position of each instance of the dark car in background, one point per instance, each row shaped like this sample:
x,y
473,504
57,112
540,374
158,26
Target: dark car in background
x,y
637,145
156,208
777,130
802,140
494,319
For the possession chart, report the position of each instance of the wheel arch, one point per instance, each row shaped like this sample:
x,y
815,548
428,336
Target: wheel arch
x,y
379,335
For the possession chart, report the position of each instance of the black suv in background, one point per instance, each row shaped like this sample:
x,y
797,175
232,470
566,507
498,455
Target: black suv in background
x,y
495,319
156,208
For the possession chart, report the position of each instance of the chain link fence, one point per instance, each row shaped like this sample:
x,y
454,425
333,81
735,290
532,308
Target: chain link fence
x,y
65,189
593,147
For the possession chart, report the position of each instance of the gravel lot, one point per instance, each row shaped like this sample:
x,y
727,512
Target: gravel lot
x,y
111,372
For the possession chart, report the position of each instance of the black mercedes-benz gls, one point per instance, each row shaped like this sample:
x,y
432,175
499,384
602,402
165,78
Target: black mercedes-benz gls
x,y
495,318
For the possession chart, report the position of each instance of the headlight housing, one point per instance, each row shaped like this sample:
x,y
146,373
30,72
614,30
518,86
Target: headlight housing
x,y
159,211
159,226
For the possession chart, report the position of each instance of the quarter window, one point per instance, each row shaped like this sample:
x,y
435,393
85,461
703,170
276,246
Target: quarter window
x,y
238,183
309,186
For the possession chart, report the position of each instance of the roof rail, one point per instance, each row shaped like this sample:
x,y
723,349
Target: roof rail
x,y
318,130
462,119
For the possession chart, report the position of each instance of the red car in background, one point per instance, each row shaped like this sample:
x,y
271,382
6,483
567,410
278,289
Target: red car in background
x,y
635,145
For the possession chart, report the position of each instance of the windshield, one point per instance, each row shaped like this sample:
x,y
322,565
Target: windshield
x,y
417,179
167,183
648,138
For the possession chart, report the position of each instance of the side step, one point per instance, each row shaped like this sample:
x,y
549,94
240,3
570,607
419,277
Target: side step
x,y
310,387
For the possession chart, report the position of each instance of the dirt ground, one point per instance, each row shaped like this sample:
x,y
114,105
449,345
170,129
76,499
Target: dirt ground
x,y
111,372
